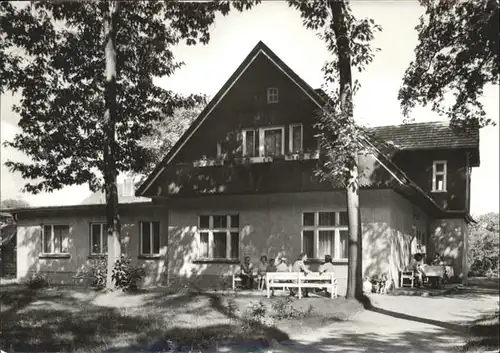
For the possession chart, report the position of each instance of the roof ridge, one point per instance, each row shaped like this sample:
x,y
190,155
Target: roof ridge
x,y
443,122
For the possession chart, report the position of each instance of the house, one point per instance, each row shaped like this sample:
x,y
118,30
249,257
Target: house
x,y
241,182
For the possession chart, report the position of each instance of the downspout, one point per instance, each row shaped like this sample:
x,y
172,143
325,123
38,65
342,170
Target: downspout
x,y
467,181
465,264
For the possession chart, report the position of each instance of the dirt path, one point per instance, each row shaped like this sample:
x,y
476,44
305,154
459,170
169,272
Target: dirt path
x,y
402,324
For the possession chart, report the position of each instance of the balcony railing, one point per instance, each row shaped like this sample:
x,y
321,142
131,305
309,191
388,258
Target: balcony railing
x,y
220,161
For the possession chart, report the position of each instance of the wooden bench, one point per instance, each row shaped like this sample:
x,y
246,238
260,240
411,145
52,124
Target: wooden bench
x,y
300,280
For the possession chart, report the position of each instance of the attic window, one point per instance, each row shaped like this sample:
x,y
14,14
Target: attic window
x,y
128,187
272,95
439,173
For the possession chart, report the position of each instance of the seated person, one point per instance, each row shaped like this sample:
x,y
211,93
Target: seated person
x,y
327,267
300,266
262,268
271,267
416,267
437,261
247,273
281,264
367,286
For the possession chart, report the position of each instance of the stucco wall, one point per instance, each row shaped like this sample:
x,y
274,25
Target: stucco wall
x,y
404,215
62,270
449,238
271,224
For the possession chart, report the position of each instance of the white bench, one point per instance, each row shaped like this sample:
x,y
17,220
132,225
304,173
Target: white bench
x,y
300,280
237,279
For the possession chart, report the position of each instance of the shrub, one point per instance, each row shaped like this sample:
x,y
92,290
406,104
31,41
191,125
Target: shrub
x,y
97,273
254,317
125,275
37,280
232,308
283,309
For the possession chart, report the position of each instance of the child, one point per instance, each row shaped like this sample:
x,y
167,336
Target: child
x,y
367,286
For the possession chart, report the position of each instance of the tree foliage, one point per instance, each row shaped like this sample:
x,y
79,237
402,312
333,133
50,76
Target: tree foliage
x,y
167,131
340,136
484,245
53,54
348,41
14,203
456,56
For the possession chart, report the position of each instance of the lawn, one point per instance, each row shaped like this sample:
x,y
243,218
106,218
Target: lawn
x,y
74,320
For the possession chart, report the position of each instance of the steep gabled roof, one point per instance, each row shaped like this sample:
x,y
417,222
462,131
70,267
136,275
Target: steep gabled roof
x,y
259,49
428,135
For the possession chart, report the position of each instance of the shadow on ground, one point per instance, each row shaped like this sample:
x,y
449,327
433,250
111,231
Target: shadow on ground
x,y
74,320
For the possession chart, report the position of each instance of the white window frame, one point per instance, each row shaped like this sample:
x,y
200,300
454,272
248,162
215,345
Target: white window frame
x,y
151,242
272,95
244,141
219,150
211,230
435,173
290,138
316,228
104,237
52,242
262,131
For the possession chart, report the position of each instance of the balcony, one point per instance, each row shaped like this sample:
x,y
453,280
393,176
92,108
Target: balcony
x,y
220,161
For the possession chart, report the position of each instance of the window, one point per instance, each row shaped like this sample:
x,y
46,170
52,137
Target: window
x,y
272,95
55,239
150,238
325,233
249,142
272,141
98,239
219,236
222,149
128,187
295,138
439,170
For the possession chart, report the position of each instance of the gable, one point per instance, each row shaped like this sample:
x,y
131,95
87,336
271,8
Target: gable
x,y
245,106
260,55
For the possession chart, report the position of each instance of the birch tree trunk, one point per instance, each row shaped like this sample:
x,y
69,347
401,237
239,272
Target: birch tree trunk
x,y
112,217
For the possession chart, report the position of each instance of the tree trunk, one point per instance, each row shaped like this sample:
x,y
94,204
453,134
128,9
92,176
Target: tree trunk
x,y
354,265
112,217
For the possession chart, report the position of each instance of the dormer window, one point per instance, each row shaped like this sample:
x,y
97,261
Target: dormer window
x,y
295,138
272,141
248,142
272,95
439,172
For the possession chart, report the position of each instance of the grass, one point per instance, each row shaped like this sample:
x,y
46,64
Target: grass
x,y
73,320
484,335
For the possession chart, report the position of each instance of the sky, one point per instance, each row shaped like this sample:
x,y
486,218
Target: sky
x,y
208,67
